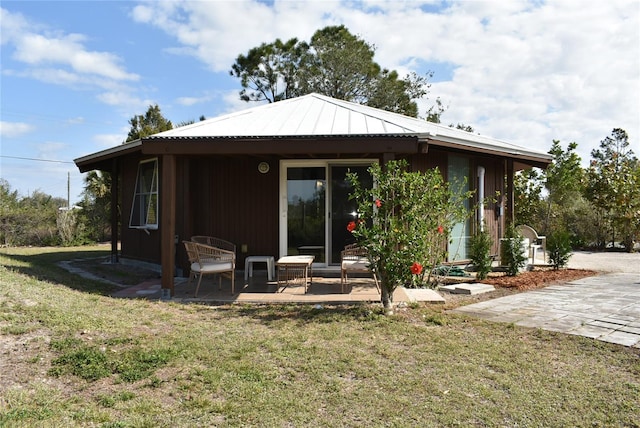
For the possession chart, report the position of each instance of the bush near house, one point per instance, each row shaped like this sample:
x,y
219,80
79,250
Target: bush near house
x,y
559,248
404,223
480,253
511,255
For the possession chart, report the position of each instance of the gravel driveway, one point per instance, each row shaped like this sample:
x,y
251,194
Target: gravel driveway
x,y
606,262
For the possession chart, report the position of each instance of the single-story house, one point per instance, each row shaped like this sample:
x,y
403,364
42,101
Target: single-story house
x,y
271,179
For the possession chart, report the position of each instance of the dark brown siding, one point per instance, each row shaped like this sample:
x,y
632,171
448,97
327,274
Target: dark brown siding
x,y
136,243
493,191
229,198
494,186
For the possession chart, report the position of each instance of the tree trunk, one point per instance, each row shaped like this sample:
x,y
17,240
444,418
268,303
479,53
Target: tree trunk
x,y
387,299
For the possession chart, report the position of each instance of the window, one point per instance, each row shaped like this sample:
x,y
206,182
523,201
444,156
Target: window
x,y
144,211
458,177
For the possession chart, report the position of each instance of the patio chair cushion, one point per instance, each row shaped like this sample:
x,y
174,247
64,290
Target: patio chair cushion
x,y
210,267
356,264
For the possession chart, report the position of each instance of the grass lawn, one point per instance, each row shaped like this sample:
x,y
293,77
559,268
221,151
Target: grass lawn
x,y
70,355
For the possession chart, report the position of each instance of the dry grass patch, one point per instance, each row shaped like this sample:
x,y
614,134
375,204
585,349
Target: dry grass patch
x,y
254,365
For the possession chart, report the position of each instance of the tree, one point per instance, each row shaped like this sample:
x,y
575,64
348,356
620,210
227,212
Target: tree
x,y
613,185
434,113
339,65
391,93
527,191
70,229
269,71
150,123
96,206
30,220
404,223
463,127
9,213
335,63
565,204
564,177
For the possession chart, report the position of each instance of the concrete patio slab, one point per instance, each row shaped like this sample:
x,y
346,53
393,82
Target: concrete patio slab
x,y
470,288
420,295
606,307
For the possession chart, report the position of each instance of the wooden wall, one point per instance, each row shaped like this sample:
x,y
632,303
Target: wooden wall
x,y
227,197
494,186
135,243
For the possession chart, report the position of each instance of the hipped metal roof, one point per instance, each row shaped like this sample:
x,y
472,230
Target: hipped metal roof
x,y
319,117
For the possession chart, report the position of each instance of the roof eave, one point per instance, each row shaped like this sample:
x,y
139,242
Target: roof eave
x,y
289,145
94,160
526,157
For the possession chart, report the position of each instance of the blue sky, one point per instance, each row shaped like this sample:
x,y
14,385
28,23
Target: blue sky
x,y
74,72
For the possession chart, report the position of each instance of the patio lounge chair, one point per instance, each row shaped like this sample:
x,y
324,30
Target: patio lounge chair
x,y
536,242
205,259
354,259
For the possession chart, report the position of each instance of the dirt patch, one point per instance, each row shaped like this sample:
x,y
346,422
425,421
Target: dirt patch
x,y
538,278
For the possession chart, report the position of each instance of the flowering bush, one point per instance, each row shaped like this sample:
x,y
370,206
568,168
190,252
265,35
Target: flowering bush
x,y
404,223
416,268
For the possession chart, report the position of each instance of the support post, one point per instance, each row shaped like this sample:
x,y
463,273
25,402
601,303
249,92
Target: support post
x,y
115,189
510,202
168,221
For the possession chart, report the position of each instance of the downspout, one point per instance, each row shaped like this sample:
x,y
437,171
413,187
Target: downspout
x,y
481,197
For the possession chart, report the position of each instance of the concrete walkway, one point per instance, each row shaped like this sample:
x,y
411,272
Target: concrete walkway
x,y
604,307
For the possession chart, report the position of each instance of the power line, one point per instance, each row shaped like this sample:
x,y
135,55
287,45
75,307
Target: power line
x,y
34,159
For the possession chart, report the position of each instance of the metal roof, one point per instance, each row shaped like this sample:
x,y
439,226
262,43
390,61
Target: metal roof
x,y
318,116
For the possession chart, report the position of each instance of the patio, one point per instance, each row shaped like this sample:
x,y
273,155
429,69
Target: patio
x,y
258,289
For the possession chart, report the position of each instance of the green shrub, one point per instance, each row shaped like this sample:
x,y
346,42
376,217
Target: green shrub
x,y
404,223
480,253
511,254
559,248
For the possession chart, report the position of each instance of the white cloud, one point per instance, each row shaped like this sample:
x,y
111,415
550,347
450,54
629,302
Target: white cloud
x,y
58,58
122,99
105,141
52,151
75,120
14,129
215,32
233,103
527,72
189,101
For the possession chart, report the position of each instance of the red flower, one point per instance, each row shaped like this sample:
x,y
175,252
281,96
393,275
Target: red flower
x,y
440,230
351,226
416,268
378,203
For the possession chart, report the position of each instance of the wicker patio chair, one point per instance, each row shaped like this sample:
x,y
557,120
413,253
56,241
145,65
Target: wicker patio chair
x,y
354,259
212,241
205,259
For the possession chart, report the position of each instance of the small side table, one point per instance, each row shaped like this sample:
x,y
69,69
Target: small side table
x,y
295,268
250,260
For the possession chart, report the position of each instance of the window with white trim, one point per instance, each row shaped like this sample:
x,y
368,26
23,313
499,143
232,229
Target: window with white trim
x,y
144,210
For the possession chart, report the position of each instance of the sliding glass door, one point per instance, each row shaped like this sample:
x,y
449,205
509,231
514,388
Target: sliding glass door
x,y
316,208
343,210
306,212
458,177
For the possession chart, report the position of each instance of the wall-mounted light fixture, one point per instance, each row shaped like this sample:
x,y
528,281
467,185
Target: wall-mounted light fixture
x,y
263,167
